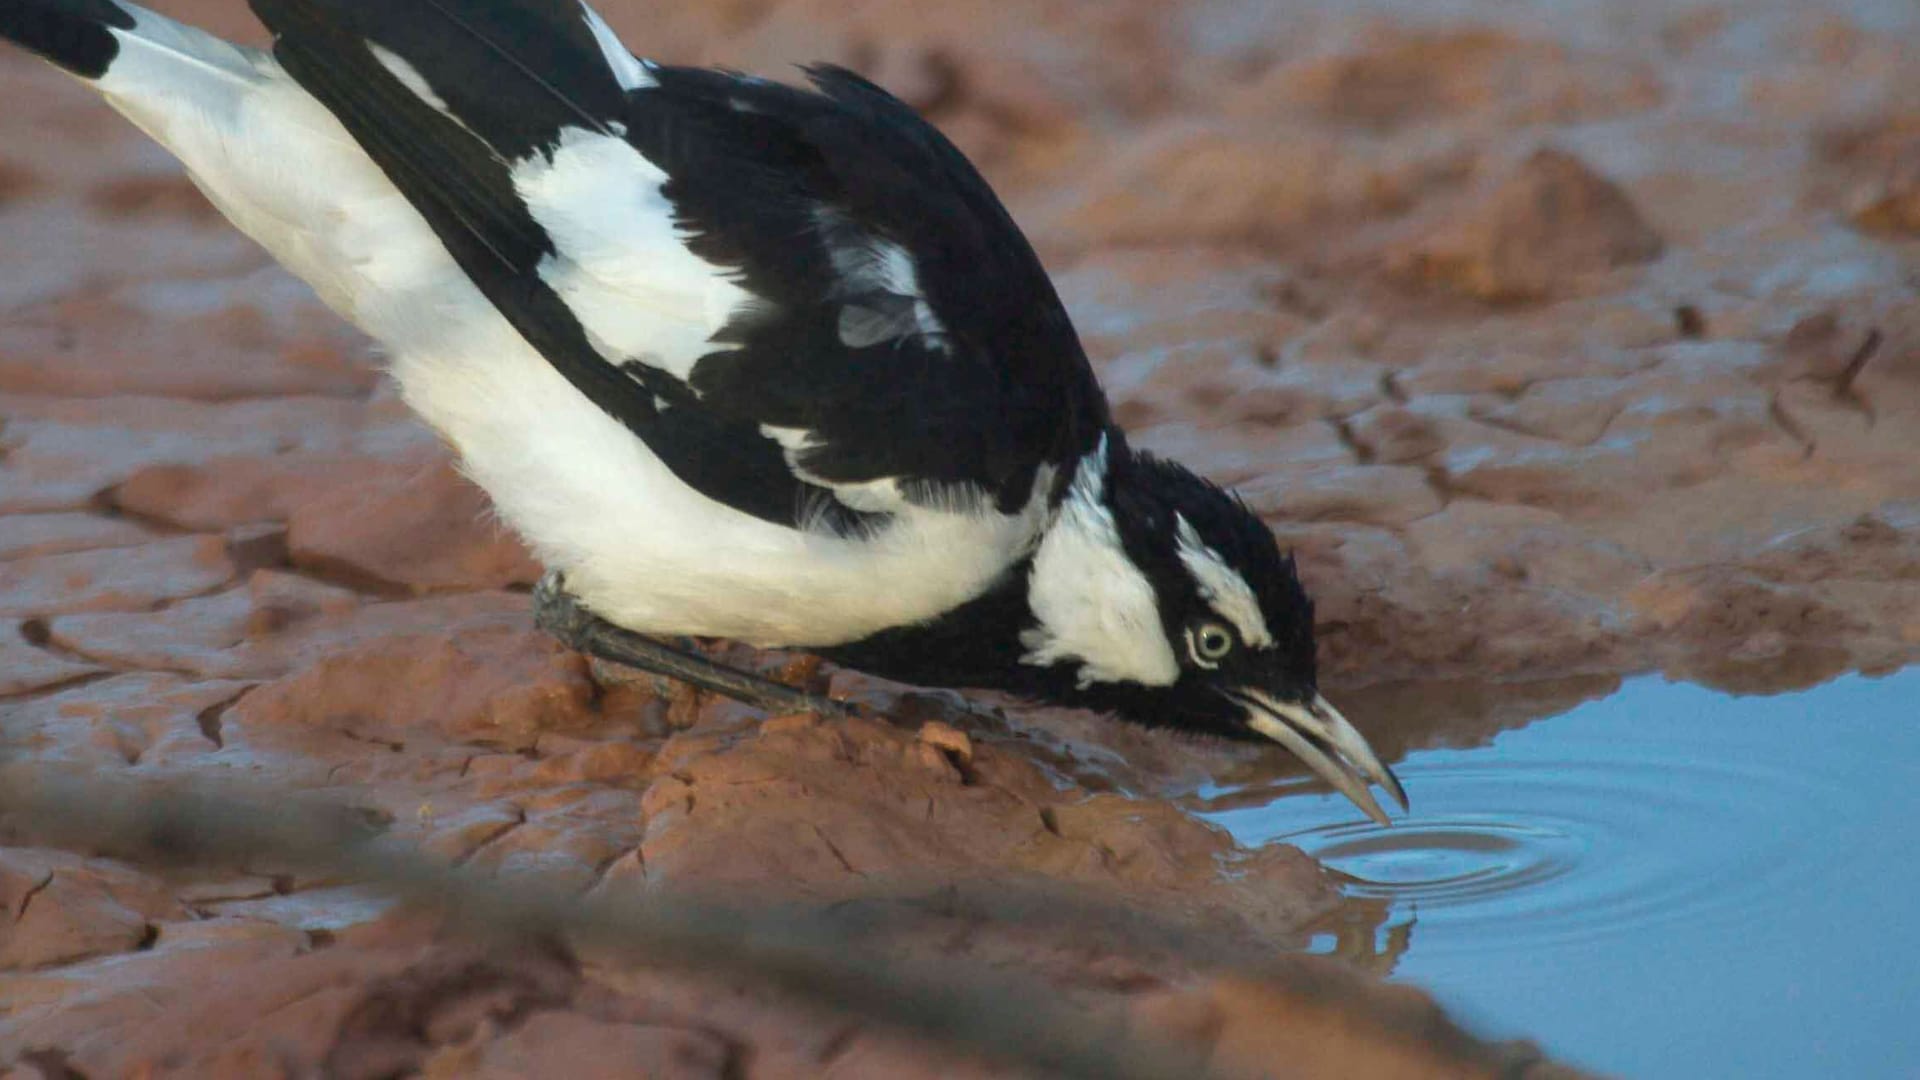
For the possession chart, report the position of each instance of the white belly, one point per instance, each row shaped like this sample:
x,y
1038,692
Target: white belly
x,y
637,545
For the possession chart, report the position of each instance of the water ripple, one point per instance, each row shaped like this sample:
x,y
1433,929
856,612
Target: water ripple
x,y
1665,882
1587,841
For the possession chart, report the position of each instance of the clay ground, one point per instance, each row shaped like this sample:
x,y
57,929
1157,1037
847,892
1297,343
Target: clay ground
x,y
1561,340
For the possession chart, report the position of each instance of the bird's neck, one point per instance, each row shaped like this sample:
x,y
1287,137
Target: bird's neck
x,y
976,645
1036,629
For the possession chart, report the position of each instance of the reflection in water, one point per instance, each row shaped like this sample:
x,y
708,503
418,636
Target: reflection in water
x,y
1365,933
1670,881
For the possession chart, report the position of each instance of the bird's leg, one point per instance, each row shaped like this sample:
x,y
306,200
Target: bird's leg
x,y
558,613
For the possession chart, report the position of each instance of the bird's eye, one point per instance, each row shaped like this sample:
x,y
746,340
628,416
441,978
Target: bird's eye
x,y
1209,643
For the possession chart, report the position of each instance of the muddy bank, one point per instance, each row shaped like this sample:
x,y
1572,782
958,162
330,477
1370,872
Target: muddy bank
x,y
1560,341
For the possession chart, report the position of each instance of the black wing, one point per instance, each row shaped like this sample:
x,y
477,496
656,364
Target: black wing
x,y
891,323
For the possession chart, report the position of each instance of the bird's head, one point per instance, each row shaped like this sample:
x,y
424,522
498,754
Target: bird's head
x,y
1163,599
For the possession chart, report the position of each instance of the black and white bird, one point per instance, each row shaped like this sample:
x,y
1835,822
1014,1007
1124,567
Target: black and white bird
x,y
737,359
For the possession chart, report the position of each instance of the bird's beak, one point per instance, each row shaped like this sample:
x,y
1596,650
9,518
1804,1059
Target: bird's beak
x,y
1318,735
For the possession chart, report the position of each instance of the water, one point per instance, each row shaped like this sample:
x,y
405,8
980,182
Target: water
x,y
1671,881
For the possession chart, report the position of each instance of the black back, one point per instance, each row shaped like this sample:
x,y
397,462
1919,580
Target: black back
x,y
768,181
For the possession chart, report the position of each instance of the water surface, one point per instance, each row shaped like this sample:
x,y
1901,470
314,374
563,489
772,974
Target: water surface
x,y
1671,881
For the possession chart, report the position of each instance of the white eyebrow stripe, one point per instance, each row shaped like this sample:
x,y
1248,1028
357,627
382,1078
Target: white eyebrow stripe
x,y
1222,587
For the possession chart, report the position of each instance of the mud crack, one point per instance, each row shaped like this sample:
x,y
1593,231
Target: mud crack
x,y
38,888
845,863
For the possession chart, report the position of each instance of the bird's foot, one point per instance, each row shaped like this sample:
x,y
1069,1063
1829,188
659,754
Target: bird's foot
x,y
559,613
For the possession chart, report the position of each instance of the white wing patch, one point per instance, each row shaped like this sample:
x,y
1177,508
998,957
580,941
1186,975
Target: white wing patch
x,y
638,545
864,265
794,442
874,496
620,262
629,71
409,77
1094,606
1222,587
884,495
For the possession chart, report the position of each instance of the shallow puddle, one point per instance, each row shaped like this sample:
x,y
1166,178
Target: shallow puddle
x,y
1670,881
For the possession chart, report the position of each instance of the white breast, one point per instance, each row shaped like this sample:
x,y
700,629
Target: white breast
x,y
638,546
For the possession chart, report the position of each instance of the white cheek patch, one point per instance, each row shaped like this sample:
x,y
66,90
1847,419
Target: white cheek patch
x,y
1222,587
1094,606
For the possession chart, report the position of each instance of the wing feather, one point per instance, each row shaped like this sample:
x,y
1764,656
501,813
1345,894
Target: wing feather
x,y
760,256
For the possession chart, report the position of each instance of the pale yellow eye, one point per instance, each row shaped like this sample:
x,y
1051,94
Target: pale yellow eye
x,y
1211,643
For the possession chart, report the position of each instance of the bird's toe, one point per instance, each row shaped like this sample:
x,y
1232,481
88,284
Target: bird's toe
x,y
557,611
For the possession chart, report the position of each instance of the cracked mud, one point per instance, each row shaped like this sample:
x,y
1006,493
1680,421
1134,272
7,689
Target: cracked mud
x,y
1557,351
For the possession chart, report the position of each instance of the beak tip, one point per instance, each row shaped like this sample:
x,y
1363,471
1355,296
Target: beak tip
x,y
1383,815
1330,746
1399,792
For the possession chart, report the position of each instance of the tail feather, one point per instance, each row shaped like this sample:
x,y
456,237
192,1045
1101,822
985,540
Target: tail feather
x,y
126,49
176,82
75,34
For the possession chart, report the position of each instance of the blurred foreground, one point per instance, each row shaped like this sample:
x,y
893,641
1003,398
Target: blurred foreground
x,y
1562,340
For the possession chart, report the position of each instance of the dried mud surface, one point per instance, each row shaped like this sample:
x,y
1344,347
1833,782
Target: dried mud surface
x,y
1561,341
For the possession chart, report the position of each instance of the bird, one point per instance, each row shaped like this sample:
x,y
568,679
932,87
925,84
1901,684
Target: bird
x,y
737,358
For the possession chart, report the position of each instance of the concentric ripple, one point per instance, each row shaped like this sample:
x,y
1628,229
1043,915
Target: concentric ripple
x,y
1667,882
1457,861
1595,825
